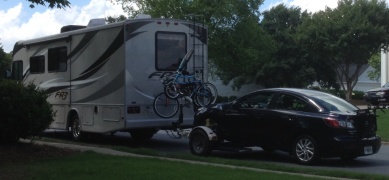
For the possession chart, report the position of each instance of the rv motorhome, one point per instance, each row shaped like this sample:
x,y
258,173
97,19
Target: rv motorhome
x,y
103,78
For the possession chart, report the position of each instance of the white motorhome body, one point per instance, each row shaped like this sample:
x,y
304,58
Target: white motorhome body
x,y
108,75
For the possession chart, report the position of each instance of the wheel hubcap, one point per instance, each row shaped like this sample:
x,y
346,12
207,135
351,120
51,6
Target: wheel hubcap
x,y
76,128
198,145
305,150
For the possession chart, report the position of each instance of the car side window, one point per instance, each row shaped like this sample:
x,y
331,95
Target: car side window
x,y
257,101
289,102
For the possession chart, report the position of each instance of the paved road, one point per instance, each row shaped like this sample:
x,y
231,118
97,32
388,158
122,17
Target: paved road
x,y
374,164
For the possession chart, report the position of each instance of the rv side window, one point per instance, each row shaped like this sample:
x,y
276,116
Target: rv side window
x,y
170,49
56,59
17,70
37,64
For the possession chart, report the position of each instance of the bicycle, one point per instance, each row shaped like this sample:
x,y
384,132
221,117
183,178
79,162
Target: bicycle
x,y
184,84
164,106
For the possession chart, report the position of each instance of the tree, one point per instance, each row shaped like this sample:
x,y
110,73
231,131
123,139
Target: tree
x,y
60,4
289,67
238,46
111,19
375,62
5,61
344,38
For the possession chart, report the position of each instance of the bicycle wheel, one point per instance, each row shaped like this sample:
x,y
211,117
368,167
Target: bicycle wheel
x,y
165,107
213,92
171,89
202,96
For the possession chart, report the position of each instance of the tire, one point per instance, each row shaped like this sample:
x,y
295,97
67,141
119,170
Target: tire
x,y
171,89
199,143
165,107
203,96
142,134
305,150
75,128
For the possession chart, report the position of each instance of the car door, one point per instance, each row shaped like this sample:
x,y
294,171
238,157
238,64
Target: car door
x,y
282,121
245,116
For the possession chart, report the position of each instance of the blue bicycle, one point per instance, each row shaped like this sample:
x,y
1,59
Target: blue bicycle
x,y
183,84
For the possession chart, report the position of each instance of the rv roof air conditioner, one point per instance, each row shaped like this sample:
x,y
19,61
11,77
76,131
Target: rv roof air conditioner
x,y
142,16
96,22
71,28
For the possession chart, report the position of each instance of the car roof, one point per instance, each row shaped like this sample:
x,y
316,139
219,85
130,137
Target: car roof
x,y
304,92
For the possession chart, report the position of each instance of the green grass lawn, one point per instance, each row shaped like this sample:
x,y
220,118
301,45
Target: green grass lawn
x,y
90,165
383,124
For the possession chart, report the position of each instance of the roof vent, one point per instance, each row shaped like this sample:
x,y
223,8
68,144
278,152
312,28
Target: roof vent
x,y
96,22
71,28
142,16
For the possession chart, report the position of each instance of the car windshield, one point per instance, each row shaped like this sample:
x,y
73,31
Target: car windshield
x,y
332,103
386,85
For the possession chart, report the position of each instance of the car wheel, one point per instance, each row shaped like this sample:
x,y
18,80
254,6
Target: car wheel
x,y
199,143
305,150
75,128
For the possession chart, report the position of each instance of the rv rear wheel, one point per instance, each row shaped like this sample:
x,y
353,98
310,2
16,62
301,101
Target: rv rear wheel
x,y
75,128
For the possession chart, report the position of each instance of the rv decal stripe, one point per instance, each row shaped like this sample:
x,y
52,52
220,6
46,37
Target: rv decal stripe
x,y
116,44
90,73
132,27
114,85
54,89
54,85
85,40
133,35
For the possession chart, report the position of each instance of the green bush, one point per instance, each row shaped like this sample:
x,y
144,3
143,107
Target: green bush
x,y
358,95
25,111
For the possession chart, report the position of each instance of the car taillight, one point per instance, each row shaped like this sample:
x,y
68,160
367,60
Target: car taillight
x,y
338,124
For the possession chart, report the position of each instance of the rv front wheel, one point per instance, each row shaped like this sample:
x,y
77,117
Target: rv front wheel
x,y
76,128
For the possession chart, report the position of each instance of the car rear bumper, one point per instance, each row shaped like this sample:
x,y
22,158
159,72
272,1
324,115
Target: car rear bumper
x,y
348,146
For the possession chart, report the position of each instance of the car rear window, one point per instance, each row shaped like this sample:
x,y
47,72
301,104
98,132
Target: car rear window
x,y
332,103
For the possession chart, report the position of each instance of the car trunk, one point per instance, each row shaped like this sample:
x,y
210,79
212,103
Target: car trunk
x,y
365,123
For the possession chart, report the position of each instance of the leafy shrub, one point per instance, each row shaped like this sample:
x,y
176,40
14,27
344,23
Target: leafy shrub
x,y
25,111
358,95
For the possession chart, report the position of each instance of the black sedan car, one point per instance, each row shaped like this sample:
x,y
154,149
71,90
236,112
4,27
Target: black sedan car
x,y
307,124
378,96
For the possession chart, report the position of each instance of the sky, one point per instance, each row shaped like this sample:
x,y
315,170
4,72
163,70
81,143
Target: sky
x,y
20,22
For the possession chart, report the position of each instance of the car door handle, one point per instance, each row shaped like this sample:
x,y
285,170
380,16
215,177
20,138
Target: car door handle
x,y
292,118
